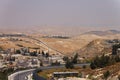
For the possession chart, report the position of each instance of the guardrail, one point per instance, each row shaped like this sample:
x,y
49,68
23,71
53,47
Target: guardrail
x,y
12,76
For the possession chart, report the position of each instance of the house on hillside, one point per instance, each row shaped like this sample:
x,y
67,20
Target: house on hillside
x,y
65,74
55,58
118,51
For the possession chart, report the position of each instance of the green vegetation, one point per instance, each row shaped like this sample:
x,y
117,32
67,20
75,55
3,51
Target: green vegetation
x,y
75,59
114,48
47,73
47,55
4,74
65,58
106,75
18,51
34,53
43,54
55,63
60,37
84,66
70,62
118,77
103,61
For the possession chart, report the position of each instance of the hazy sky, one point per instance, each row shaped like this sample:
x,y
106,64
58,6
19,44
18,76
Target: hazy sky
x,y
60,13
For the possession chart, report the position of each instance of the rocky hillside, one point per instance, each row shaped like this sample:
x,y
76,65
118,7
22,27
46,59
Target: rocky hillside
x,y
80,42
96,47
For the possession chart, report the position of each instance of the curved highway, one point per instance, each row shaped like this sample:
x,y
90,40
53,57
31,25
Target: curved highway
x,y
41,42
22,75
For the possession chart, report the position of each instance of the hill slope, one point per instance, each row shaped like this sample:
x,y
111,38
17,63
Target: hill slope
x,y
95,47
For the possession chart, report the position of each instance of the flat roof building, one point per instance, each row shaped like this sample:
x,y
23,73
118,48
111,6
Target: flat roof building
x,y
65,74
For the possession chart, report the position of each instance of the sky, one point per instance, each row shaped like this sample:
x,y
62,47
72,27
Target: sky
x,y
75,13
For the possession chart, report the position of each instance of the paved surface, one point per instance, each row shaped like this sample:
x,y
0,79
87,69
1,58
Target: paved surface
x,y
41,42
22,75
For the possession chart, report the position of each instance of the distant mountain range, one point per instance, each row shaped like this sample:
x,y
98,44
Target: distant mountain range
x,y
98,42
103,33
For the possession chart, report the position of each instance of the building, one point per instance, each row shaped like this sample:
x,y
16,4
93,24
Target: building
x,y
118,51
54,58
65,74
72,78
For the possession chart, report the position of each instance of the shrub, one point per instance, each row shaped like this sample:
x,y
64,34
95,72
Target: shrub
x,y
84,66
103,61
69,64
106,74
118,77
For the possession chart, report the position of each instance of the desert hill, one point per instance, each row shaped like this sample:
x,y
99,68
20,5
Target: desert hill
x,y
96,47
85,44
75,43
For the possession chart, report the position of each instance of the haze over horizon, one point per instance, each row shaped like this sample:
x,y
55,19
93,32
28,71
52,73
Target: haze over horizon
x,y
83,15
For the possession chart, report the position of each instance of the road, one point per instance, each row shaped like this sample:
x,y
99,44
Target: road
x,y
62,66
41,42
21,75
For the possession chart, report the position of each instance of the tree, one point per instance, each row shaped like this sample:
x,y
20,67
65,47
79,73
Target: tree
x,y
118,77
69,64
75,59
92,65
39,52
106,74
65,58
103,61
43,54
114,48
34,53
56,63
84,66
117,58
28,50
47,55
41,63
18,51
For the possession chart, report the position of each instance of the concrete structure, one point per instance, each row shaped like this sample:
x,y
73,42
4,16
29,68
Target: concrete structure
x,y
20,75
118,51
59,59
72,78
34,62
1,64
65,74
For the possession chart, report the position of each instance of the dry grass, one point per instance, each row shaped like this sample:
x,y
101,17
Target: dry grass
x,y
46,73
113,69
6,43
65,45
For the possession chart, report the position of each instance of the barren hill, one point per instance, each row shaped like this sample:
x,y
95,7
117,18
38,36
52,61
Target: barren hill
x,y
79,42
69,45
96,47
85,44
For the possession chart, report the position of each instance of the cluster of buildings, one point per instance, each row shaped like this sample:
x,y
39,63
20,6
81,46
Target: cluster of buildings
x,y
18,61
9,59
